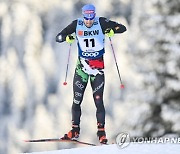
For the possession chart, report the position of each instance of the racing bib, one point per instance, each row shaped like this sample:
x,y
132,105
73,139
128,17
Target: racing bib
x,y
90,40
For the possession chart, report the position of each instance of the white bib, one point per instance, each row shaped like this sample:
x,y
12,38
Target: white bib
x,y
90,40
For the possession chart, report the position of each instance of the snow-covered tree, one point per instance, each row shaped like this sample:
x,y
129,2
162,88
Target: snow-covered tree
x,y
155,46
33,104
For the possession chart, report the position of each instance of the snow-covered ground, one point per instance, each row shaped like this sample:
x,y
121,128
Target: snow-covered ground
x,y
133,148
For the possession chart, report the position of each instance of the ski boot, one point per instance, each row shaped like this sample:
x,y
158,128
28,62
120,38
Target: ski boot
x,y
72,134
101,133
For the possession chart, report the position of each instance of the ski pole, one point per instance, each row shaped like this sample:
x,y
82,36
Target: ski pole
x,y
122,86
65,83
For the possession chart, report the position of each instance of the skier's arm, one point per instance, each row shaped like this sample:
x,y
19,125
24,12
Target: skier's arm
x,y
71,28
108,24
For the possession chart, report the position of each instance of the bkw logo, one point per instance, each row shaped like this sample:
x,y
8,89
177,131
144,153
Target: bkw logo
x,y
88,33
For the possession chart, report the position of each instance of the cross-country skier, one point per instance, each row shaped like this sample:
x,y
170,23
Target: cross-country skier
x,y
90,33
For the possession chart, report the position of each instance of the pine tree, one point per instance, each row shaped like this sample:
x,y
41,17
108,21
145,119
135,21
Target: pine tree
x,y
156,47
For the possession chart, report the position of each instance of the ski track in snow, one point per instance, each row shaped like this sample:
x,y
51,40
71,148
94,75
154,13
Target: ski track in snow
x,y
133,148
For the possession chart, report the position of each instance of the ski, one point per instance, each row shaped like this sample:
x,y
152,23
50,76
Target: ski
x,y
60,140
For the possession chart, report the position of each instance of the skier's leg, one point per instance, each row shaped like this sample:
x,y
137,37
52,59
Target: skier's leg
x,y
97,84
79,85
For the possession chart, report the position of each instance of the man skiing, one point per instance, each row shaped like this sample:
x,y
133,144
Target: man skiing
x,y
90,33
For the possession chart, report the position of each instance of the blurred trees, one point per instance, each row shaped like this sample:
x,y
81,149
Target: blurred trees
x,y
156,47
33,104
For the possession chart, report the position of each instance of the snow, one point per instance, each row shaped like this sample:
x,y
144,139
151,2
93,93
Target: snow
x,y
133,148
35,104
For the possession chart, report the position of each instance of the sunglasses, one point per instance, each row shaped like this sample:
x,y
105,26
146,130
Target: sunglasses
x,y
88,18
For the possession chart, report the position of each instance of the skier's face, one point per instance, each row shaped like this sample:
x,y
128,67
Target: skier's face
x,y
88,23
